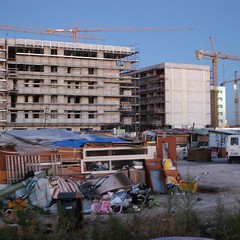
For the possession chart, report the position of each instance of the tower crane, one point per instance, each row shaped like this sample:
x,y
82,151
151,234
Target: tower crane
x,y
76,30
236,98
200,54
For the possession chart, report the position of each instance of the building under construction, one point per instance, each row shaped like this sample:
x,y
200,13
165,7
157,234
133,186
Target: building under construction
x,y
174,96
67,85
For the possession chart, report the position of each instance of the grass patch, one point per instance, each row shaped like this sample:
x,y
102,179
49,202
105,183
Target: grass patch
x,y
178,219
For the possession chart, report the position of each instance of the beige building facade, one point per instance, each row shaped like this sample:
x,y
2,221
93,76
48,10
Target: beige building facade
x,y
175,96
47,84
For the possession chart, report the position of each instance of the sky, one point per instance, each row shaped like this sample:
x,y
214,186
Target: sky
x,y
216,18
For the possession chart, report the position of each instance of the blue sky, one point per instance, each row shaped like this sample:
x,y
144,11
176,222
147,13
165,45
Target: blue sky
x,y
218,18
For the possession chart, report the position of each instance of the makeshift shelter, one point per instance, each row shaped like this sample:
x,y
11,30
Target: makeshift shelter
x,y
65,151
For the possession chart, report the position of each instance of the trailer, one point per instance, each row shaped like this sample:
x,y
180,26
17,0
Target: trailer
x,y
233,148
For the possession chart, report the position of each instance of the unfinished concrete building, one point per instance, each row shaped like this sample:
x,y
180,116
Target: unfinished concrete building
x,y
174,96
47,84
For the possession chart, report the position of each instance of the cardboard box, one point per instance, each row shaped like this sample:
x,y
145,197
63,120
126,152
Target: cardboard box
x,y
137,176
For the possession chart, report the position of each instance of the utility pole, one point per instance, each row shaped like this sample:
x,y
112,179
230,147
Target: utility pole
x,y
236,99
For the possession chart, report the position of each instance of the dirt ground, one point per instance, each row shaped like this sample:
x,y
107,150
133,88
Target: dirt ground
x,y
221,183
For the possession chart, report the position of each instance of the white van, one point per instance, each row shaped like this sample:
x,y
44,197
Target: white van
x,y
233,148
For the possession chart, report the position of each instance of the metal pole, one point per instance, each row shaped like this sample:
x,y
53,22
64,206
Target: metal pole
x,y
236,100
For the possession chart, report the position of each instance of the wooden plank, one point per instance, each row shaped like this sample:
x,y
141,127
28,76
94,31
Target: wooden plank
x,y
3,177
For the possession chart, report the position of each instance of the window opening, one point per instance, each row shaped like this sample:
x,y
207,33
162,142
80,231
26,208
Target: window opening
x,y
53,51
53,83
54,98
234,141
53,113
77,99
91,100
91,114
53,69
91,71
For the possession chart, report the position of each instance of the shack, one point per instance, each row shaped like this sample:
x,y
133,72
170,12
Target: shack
x,y
68,153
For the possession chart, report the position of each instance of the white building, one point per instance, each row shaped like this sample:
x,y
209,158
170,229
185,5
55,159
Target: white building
x,y
175,96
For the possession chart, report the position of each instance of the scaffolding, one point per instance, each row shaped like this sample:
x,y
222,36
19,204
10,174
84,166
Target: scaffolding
x,y
151,87
3,86
69,85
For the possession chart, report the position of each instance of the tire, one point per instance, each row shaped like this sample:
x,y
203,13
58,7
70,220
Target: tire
x,y
230,160
117,208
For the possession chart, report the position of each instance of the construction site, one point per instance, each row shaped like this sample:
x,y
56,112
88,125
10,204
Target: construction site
x,y
67,111
96,87
119,120
84,87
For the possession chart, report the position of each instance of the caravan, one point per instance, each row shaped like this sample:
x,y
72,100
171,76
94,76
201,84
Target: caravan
x,y
233,148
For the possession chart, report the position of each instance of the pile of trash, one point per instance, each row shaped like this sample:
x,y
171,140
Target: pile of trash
x,y
113,193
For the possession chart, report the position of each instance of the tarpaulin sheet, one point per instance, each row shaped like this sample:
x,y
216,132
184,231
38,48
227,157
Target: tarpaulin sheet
x,y
92,139
56,138
48,134
23,146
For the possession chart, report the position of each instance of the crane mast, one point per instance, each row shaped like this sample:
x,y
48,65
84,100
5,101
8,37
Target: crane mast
x,y
236,97
215,91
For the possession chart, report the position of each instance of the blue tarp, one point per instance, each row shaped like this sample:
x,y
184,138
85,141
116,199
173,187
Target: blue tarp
x,y
63,138
48,134
93,139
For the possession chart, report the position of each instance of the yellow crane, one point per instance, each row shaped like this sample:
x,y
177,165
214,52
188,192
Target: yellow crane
x,y
76,30
200,54
236,98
